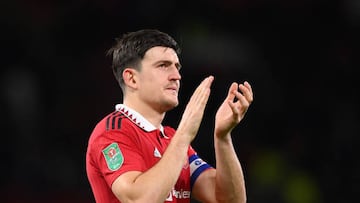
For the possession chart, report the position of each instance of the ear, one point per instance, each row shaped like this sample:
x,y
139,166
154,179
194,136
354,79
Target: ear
x,y
129,77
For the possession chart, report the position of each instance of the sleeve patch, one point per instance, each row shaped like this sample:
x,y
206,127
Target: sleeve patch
x,y
113,156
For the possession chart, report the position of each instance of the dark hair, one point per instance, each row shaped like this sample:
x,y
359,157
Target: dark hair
x,y
131,47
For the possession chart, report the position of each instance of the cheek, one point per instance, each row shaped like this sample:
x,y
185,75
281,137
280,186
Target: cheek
x,y
149,86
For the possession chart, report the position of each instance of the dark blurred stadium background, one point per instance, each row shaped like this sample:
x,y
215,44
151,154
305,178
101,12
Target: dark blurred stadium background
x,y
298,143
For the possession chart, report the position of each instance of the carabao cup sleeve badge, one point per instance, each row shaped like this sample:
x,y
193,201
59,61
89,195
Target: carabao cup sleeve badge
x,y
113,156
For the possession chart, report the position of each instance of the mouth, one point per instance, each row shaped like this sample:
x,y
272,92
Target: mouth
x,y
173,90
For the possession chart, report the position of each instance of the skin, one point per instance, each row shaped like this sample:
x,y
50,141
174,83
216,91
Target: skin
x,y
153,91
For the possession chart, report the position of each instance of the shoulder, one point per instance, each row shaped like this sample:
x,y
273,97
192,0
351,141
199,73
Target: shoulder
x,y
111,128
115,121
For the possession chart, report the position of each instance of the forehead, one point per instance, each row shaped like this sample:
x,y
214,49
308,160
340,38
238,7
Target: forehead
x,y
161,53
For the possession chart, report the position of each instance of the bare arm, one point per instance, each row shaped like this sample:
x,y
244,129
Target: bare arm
x,y
156,183
226,183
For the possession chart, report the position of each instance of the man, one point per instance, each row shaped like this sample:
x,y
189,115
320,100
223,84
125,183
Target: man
x,y
131,157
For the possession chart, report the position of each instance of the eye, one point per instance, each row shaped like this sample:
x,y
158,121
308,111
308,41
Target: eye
x,y
163,65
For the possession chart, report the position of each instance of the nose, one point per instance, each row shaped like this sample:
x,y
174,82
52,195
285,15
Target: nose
x,y
175,74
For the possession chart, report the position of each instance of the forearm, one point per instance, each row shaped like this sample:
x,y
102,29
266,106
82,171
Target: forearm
x,y
156,183
230,184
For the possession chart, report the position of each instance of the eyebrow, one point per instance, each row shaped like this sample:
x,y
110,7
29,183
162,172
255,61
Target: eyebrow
x,y
178,65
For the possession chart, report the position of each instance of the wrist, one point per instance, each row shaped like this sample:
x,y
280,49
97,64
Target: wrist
x,y
181,140
223,137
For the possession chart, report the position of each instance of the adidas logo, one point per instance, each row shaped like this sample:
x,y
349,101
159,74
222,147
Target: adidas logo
x,y
157,153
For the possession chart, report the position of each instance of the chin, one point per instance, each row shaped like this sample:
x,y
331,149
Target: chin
x,y
171,105
176,103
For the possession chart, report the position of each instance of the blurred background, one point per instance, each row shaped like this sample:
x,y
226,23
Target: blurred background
x,y
298,142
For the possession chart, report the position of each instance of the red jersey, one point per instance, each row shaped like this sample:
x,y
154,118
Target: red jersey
x,y
125,141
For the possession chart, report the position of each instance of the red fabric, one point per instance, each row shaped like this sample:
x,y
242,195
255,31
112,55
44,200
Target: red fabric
x,y
138,149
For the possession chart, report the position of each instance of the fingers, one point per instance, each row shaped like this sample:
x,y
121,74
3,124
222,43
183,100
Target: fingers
x,y
233,88
244,97
206,83
198,100
209,79
247,94
233,107
194,110
202,91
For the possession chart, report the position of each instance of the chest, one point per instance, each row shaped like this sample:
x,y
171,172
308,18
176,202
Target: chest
x,y
154,146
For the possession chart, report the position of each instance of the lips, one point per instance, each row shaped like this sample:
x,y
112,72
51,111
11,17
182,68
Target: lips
x,y
173,88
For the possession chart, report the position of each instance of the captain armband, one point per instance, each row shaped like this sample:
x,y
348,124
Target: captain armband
x,y
197,166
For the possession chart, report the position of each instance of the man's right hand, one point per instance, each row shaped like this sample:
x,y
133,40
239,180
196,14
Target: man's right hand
x,y
194,111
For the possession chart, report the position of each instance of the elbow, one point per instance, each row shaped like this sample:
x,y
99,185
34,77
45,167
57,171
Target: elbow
x,y
234,198
136,200
144,198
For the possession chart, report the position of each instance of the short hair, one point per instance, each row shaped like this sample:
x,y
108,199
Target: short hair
x,y
131,47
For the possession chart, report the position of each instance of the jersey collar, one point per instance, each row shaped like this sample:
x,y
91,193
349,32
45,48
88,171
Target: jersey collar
x,y
138,119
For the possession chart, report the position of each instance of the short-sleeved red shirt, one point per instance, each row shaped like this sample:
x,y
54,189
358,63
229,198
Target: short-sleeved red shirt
x,y
125,141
